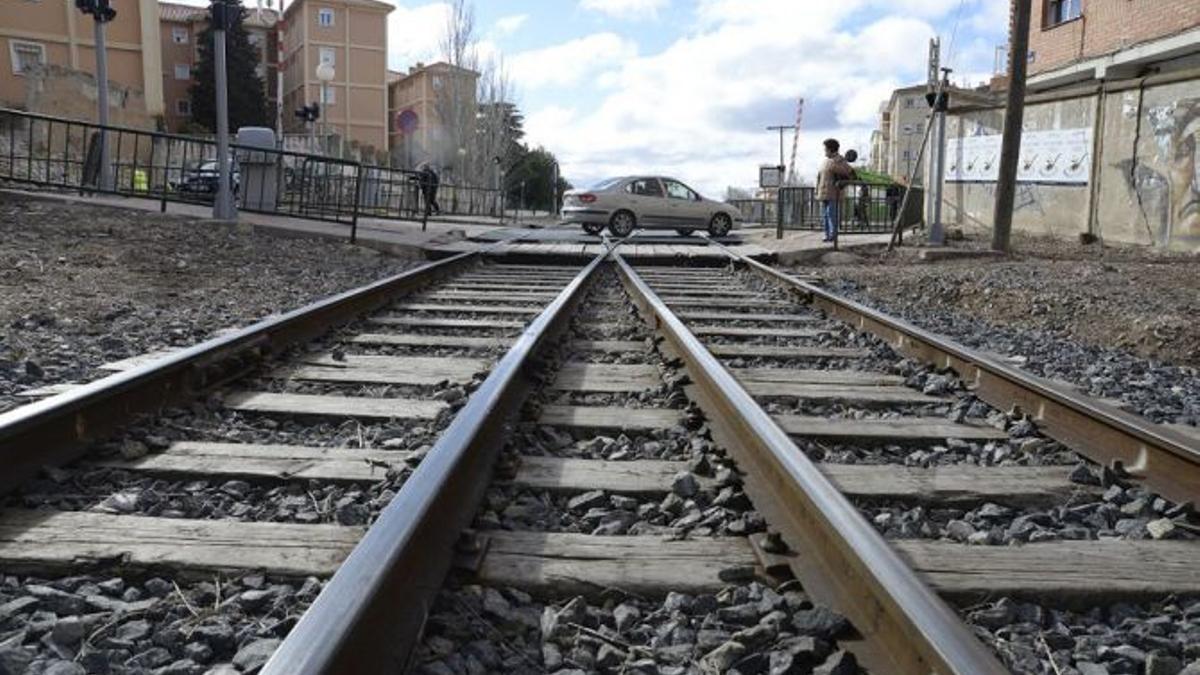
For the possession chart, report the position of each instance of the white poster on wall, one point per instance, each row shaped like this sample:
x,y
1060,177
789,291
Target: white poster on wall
x,y
1061,156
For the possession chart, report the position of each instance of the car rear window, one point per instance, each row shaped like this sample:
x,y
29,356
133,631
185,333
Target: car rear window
x,y
605,184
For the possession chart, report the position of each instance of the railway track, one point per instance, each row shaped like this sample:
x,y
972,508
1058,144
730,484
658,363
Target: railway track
x,y
641,470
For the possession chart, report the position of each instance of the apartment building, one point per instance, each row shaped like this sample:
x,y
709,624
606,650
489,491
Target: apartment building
x,y
54,33
420,102
896,144
180,28
1074,41
351,36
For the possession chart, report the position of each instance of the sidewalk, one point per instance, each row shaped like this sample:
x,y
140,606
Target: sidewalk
x,y
450,233
399,237
800,246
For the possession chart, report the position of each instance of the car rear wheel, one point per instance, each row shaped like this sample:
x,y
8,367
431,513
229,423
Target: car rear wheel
x,y
720,225
622,223
593,228
684,231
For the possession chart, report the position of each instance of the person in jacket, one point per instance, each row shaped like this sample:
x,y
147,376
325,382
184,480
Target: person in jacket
x,y
429,182
833,171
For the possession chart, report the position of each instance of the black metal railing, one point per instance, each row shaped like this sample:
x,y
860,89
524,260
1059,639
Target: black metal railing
x,y
864,208
64,154
755,210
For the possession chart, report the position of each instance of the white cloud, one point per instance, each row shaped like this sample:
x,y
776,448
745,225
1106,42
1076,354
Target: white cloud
x,y
625,9
507,25
414,34
570,62
693,109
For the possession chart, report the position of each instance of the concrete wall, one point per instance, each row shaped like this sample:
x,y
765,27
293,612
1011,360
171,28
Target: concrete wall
x,y
1145,179
62,92
1149,189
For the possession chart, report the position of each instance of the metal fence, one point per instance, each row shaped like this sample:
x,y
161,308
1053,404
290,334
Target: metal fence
x,y
64,154
864,208
755,210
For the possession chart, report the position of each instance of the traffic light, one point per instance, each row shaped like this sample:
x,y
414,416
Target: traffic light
x,y
100,10
225,14
309,113
939,102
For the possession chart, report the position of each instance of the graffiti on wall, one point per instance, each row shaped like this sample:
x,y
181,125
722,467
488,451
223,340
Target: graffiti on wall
x,y
1166,186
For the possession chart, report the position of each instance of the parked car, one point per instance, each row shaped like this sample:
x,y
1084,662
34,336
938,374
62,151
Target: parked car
x,y
650,202
204,178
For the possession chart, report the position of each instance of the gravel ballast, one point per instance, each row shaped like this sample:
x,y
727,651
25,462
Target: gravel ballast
x,y
1118,323
83,285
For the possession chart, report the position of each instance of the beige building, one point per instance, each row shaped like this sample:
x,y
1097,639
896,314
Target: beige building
x,y
180,27
55,33
350,35
896,145
419,103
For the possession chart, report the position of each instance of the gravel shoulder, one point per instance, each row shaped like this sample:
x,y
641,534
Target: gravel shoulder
x,y
82,285
1117,322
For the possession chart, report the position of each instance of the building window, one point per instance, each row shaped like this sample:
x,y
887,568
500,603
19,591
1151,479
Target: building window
x,y
179,35
183,71
906,155
324,16
183,107
26,55
328,95
328,55
908,102
1061,11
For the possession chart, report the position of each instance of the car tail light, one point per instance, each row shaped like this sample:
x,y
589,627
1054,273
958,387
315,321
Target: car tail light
x,y
587,198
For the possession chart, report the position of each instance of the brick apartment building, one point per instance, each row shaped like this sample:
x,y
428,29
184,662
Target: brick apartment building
x,y
180,28
350,35
417,132
53,33
1073,41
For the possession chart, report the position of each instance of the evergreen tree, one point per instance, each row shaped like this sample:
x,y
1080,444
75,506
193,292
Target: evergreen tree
x,y
247,95
529,181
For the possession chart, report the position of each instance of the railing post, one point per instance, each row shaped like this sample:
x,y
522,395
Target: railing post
x,y
778,213
358,183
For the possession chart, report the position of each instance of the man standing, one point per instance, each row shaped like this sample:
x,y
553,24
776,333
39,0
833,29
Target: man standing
x,y
829,190
429,189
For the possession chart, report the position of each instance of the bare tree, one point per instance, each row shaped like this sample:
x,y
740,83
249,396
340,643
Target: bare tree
x,y
456,101
473,103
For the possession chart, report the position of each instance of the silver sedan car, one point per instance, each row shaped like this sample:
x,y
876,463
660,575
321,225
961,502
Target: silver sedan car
x,y
651,202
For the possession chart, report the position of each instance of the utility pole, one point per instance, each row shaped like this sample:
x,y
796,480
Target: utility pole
x,y
782,128
101,12
1014,119
224,13
941,103
554,190
931,91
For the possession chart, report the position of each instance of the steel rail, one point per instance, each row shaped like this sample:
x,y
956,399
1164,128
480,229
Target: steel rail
x,y
1164,459
58,429
843,560
369,617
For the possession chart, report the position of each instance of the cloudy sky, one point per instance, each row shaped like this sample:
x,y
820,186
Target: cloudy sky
x,y
686,87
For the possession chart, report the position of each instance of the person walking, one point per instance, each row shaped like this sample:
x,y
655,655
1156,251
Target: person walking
x,y
429,188
829,189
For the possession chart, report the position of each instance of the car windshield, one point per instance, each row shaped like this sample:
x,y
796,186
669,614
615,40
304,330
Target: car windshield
x,y
605,184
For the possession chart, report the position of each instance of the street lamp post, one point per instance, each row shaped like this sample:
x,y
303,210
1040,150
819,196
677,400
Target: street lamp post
x,y
325,75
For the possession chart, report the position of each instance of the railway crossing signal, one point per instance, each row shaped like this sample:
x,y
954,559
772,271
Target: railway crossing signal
x,y
101,12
